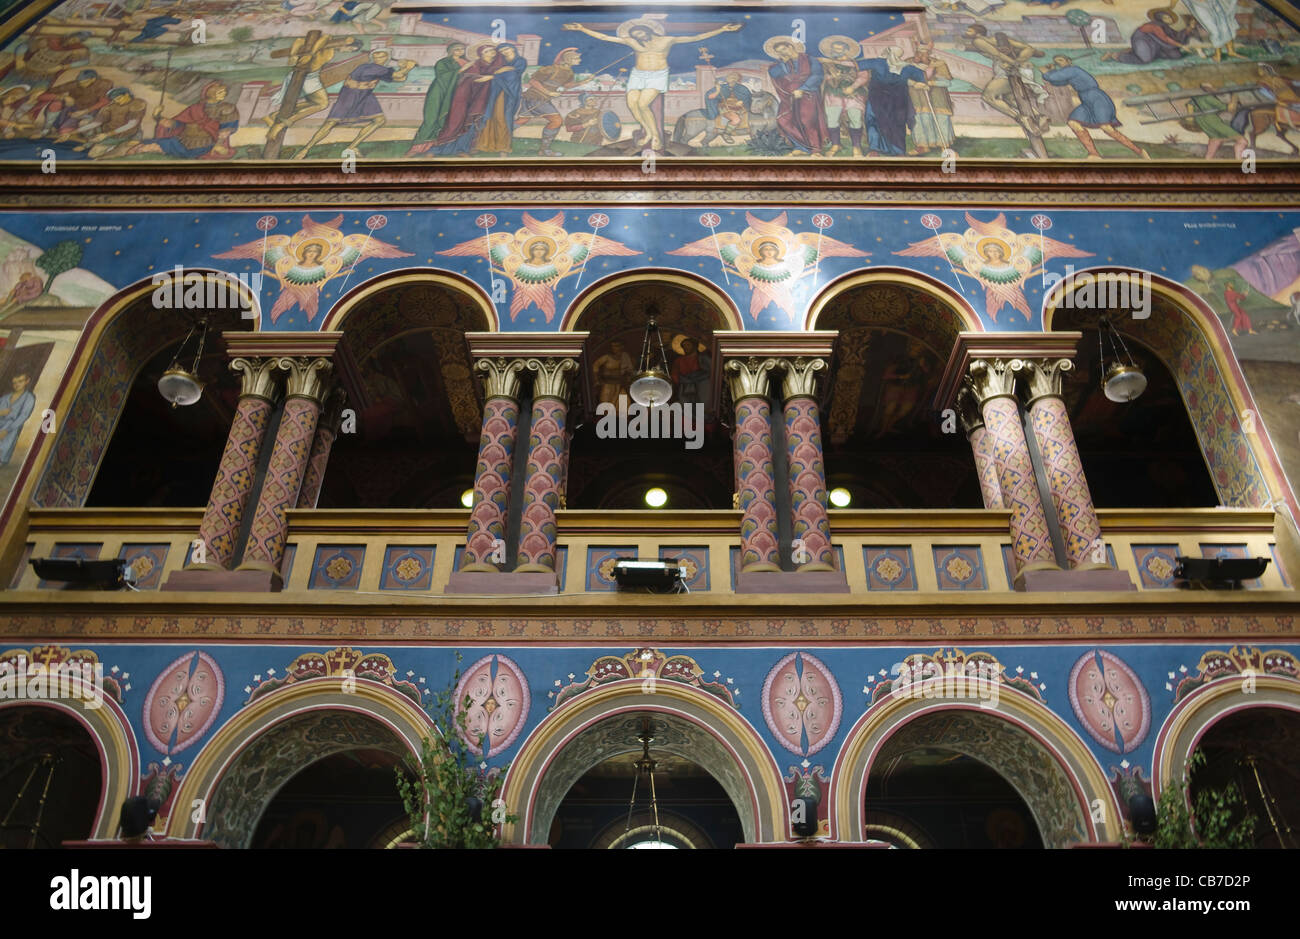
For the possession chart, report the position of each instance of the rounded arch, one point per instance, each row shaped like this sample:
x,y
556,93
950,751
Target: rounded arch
x,y
102,368
754,784
277,713
365,291
1189,721
702,287
1190,340
1043,736
119,755
968,319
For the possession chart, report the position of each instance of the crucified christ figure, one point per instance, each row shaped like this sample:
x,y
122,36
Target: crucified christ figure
x,y
649,77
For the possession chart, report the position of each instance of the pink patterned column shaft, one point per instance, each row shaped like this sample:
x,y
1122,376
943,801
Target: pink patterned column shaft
x,y
755,488
235,476
1080,529
542,481
1031,541
496,451
266,536
990,488
314,477
808,482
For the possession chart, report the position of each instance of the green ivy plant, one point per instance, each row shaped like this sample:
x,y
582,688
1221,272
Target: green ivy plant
x,y
1216,818
452,801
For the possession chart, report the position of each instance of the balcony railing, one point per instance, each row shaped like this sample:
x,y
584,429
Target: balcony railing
x,y
414,551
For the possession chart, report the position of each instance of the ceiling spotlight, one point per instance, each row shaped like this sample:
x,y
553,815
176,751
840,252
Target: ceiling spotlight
x,y
840,497
656,498
467,498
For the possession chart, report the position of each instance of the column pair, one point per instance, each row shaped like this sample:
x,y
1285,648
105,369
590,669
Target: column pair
x,y
486,549
748,376
301,379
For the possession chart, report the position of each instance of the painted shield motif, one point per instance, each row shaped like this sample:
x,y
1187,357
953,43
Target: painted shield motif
x,y
1110,701
498,703
183,702
801,703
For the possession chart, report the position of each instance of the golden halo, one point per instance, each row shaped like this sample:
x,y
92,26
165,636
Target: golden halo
x,y
625,28
824,46
767,46
551,248
1006,248
677,343
301,247
758,243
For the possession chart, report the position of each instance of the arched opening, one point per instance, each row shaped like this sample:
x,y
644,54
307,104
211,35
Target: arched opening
x,y
945,799
695,809
613,462
117,413
347,800
289,760
1211,404
51,779
967,779
883,441
1258,750
409,381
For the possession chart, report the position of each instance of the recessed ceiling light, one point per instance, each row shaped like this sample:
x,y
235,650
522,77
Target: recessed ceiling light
x,y
467,498
840,498
656,498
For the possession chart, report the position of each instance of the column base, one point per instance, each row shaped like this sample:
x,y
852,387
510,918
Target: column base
x,y
791,582
1058,581
225,581
496,583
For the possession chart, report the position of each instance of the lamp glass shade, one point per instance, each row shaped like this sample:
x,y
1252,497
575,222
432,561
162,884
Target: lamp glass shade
x,y
651,388
1123,382
180,387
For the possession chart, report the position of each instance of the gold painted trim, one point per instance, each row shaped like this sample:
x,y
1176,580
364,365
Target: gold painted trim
x,y
336,317
705,289
896,276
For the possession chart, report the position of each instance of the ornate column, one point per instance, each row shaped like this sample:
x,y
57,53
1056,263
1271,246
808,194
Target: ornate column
x,y
972,422
755,474
544,474
1080,530
219,531
993,382
327,430
496,453
304,389
807,474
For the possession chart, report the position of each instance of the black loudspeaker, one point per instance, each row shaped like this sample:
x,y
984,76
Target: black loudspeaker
x,y
803,818
138,814
474,806
1142,813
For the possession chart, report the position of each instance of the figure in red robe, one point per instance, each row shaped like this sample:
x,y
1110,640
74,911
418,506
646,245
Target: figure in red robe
x,y
468,107
798,80
1240,320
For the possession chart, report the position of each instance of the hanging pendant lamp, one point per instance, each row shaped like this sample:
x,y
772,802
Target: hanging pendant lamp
x,y
651,387
180,385
1122,381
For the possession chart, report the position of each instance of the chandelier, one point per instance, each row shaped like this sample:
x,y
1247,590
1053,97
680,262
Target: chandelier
x,y
645,766
651,388
1122,381
180,385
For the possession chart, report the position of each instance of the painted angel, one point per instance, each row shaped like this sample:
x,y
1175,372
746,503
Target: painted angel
x,y
537,257
997,257
304,262
771,258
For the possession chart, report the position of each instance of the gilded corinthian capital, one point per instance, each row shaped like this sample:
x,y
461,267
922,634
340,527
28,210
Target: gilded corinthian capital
x,y
748,377
1045,377
306,377
256,377
552,379
500,377
993,378
800,378
968,411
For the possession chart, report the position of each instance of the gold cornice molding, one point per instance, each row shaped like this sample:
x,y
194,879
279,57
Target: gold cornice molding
x,y
1005,346
526,345
277,345
735,344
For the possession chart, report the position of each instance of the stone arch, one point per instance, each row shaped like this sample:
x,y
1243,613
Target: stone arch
x,y
357,298
965,318
554,757
705,289
1192,718
263,746
1020,735
119,755
118,340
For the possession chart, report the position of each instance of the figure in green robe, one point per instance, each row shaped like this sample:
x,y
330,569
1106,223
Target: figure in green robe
x,y
437,101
